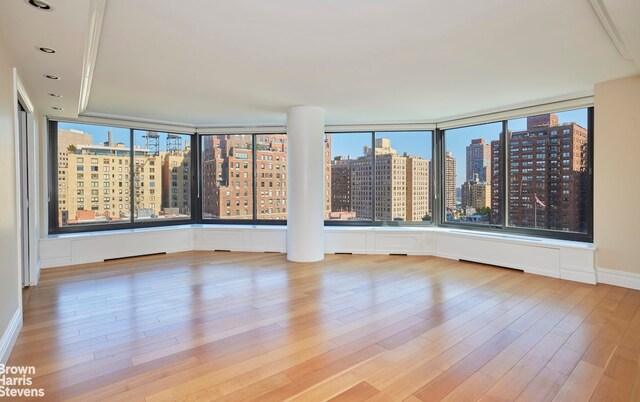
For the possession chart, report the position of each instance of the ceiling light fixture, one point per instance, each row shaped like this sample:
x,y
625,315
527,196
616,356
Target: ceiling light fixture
x,y
39,4
56,108
46,50
56,95
51,77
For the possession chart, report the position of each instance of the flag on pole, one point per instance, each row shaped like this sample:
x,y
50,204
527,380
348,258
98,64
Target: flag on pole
x,y
538,201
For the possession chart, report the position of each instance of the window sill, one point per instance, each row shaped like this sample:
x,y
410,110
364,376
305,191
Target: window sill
x,y
502,237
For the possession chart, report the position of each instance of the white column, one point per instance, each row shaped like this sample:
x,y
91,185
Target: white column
x,y
305,184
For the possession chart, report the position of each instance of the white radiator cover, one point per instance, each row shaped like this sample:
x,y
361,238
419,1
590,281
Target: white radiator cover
x,y
555,258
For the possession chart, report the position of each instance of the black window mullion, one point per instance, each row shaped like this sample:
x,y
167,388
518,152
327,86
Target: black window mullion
x,y
504,193
373,180
441,177
131,178
254,174
54,219
196,182
590,164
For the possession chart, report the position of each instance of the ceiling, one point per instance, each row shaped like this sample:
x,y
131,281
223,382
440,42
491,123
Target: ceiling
x,y
244,62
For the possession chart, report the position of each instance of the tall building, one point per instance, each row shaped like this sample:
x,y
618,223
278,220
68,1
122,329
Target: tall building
x,y
341,184
67,143
548,180
418,191
402,184
476,193
362,187
495,216
391,186
176,181
96,180
227,177
450,181
327,176
479,160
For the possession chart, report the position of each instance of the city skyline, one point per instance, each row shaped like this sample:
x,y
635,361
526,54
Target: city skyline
x,y
467,146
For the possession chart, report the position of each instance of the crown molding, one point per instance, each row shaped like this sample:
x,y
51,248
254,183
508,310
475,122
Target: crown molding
x,y
96,16
610,27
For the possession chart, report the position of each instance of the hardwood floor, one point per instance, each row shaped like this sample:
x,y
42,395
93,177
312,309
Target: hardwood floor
x,y
248,326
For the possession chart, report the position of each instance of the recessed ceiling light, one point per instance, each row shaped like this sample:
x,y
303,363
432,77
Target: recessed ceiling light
x,y
39,4
56,108
51,77
56,95
47,50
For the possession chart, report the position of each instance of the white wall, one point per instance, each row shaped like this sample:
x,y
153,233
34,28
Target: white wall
x,y
10,288
617,179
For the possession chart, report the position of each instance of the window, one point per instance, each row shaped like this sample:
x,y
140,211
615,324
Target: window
x,y
380,177
348,177
531,191
527,175
219,156
104,147
75,142
402,178
472,173
546,210
272,147
173,153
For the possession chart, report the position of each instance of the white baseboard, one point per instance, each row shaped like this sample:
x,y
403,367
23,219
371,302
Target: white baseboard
x,y
578,275
10,336
615,277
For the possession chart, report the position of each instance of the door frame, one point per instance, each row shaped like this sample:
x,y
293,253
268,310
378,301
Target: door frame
x,y
21,97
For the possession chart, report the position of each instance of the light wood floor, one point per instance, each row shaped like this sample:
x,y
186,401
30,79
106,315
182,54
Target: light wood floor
x,y
248,326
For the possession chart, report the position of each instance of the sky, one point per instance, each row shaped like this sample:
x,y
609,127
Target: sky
x,y
456,140
119,134
414,143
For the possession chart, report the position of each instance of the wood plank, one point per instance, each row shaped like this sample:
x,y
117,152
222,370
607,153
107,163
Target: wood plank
x,y
247,326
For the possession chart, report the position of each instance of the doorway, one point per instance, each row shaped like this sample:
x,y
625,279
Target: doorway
x,y
25,222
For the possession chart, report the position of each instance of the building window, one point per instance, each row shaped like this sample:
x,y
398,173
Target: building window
x,y
378,177
471,173
533,204
108,146
220,154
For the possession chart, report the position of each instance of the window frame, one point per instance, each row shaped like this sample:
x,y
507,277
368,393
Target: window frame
x,y
504,204
54,228
436,185
373,222
254,186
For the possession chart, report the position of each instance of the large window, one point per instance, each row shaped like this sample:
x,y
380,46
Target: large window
x,y
271,176
350,178
548,172
536,179
102,181
231,190
162,176
470,191
379,177
227,177
529,175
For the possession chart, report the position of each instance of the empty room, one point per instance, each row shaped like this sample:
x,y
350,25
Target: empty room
x,y
411,200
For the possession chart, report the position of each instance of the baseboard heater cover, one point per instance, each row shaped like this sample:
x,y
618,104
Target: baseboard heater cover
x,y
343,253
491,265
399,254
133,256
223,251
